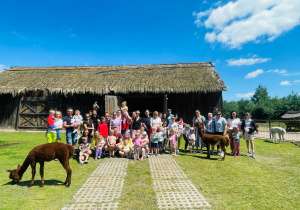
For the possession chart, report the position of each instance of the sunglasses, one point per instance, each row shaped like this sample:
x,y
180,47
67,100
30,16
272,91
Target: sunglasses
x,y
218,114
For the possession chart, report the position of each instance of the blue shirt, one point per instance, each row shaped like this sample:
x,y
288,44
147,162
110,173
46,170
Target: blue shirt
x,y
237,137
220,124
169,117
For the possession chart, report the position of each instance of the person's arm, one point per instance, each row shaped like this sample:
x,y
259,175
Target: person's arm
x,y
92,129
225,129
120,142
68,126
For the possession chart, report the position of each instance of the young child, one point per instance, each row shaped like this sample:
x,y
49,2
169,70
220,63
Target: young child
x,y
137,141
126,149
124,107
145,148
77,120
236,142
98,147
154,141
160,135
84,147
180,123
192,138
173,140
111,142
165,134
50,124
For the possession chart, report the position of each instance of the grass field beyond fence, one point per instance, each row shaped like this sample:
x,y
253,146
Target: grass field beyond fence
x,y
270,181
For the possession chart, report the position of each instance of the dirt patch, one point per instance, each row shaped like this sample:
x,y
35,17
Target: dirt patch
x,y
9,144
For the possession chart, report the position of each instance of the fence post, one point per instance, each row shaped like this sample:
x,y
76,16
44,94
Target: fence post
x,y
270,128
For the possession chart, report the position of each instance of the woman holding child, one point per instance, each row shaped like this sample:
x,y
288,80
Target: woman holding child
x,y
136,124
51,135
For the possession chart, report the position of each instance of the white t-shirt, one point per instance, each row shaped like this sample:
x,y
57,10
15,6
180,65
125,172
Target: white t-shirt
x,y
184,131
57,123
155,122
161,136
233,123
192,136
247,123
173,126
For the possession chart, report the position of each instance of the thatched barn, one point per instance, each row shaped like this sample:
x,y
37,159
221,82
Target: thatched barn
x,y
27,93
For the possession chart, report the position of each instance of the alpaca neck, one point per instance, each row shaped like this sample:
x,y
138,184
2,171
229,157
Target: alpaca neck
x,y
23,167
200,132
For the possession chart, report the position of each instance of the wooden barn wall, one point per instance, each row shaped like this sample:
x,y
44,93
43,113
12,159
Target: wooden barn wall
x,y
8,111
184,105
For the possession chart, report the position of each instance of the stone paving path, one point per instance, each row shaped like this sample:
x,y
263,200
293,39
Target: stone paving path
x,y
103,188
173,189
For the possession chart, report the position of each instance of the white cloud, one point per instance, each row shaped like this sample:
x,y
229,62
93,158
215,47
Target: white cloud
x,y
204,2
247,61
244,95
242,21
254,73
2,67
285,83
284,72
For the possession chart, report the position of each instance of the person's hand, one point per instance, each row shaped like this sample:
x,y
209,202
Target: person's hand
x,y
98,120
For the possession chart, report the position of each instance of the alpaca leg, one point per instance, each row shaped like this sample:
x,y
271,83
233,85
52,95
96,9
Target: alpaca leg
x,y
223,148
42,174
66,166
33,174
208,150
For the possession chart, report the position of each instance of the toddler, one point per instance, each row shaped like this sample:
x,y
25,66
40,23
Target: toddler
x,y
124,107
173,140
98,147
154,141
50,124
137,141
111,142
192,138
160,135
126,149
180,123
76,120
236,142
165,134
145,148
84,148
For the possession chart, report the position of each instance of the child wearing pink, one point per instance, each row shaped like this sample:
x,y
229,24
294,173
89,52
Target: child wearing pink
x,y
137,141
236,142
173,140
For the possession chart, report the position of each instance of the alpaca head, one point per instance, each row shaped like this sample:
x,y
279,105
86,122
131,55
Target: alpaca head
x,y
14,175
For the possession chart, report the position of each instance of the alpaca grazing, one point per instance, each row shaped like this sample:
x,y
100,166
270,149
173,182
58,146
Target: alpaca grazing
x,y
40,154
212,140
280,131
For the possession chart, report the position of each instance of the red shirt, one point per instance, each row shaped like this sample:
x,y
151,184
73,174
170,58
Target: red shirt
x,y
103,130
50,120
125,123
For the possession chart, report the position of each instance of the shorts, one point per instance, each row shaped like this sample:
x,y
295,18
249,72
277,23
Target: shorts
x,y
128,152
81,153
160,144
165,140
173,146
154,145
192,143
248,136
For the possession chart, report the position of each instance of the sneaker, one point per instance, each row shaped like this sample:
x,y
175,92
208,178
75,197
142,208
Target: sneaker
x,y
222,154
113,156
80,162
231,153
239,154
234,154
58,138
99,157
253,156
248,154
156,154
86,161
211,152
95,158
219,151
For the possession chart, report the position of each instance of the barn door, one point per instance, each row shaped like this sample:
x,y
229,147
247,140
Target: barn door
x,y
113,103
33,112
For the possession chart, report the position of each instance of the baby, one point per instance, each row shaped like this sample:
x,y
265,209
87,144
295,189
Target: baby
x,y
124,107
76,120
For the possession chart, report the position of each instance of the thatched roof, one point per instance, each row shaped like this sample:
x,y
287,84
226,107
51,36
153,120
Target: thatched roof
x,y
291,115
165,78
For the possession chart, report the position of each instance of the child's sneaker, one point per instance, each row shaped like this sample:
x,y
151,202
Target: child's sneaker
x,y
222,154
234,154
86,161
95,158
156,154
239,154
201,152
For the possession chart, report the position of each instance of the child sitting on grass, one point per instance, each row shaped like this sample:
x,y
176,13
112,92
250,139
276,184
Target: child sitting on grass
x,y
111,142
192,138
98,147
236,142
50,123
126,149
84,147
173,140
154,141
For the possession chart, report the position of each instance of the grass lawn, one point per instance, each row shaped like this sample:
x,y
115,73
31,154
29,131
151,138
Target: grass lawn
x,y
270,181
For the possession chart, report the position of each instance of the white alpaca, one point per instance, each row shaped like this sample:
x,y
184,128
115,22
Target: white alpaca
x,y
280,131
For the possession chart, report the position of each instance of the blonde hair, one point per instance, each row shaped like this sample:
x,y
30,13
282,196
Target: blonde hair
x,y
77,112
248,113
51,111
187,126
209,114
59,113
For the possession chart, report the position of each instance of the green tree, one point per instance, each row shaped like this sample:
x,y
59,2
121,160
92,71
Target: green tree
x,y
261,95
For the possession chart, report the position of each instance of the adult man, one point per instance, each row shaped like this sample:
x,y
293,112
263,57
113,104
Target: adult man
x,y
170,115
215,111
146,121
96,119
107,119
71,137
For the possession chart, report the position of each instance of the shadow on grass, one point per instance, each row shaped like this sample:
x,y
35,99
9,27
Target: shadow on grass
x,y
36,183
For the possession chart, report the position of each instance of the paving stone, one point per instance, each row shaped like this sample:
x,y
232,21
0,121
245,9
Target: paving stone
x,y
97,195
104,181
108,206
80,206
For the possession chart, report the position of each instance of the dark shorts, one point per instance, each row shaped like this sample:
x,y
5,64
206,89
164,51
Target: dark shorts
x,y
160,144
154,145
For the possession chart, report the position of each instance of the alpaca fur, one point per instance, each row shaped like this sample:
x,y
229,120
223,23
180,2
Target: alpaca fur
x,y
280,131
40,154
212,140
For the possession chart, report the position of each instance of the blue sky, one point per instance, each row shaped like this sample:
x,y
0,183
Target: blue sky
x,y
252,42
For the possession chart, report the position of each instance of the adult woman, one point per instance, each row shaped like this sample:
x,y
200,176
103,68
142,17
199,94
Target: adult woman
x,y
210,129
86,135
115,122
119,114
89,125
248,127
155,122
126,136
200,119
232,122
220,127
51,135
136,124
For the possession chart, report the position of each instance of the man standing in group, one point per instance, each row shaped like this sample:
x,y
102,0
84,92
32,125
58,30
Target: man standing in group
x,y
170,115
71,136
215,111
146,121
96,119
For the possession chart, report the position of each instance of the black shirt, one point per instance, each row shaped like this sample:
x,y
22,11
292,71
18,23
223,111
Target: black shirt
x,y
68,120
95,121
89,125
146,121
136,124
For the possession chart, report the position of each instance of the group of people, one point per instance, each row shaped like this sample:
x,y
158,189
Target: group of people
x,y
132,136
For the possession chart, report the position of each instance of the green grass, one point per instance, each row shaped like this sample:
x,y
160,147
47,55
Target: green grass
x,y
271,181
54,195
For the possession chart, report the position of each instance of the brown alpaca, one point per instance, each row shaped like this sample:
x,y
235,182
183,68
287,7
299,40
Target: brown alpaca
x,y
40,154
212,140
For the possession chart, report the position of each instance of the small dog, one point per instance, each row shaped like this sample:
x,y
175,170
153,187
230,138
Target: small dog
x,y
280,131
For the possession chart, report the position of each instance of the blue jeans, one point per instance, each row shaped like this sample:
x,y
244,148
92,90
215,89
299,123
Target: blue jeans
x,y
57,131
71,137
186,142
